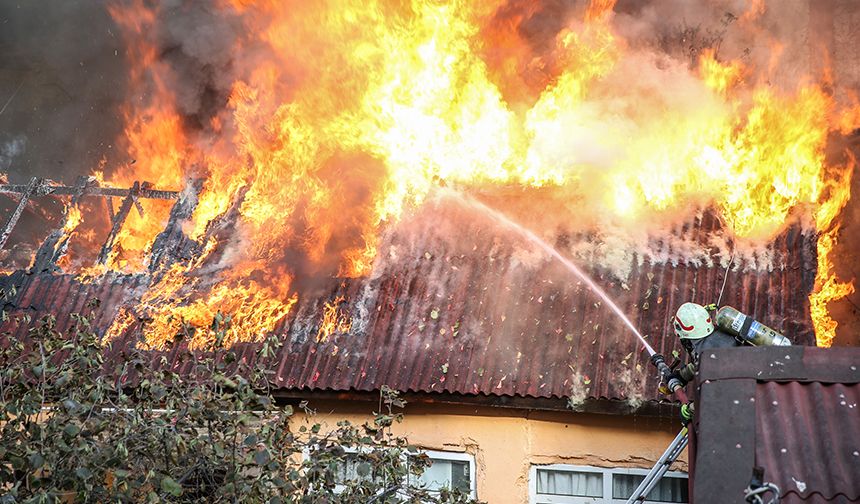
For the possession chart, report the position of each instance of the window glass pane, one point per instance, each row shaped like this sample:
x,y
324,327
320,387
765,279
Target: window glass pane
x,y
460,477
576,483
669,489
451,474
347,470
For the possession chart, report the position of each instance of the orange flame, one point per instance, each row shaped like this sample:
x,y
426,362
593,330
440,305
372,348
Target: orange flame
x,y
827,286
73,219
718,76
337,118
333,320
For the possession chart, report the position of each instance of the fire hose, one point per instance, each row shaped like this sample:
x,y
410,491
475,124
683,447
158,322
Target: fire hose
x,y
673,382
676,388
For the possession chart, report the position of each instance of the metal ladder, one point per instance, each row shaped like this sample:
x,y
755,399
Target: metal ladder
x,y
663,463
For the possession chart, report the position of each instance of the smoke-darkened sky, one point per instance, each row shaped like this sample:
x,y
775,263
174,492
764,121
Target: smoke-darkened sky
x,y
62,78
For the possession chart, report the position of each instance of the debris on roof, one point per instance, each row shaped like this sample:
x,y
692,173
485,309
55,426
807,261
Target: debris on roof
x,y
433,319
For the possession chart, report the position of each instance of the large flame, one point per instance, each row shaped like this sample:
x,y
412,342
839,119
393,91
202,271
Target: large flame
x,y
339,116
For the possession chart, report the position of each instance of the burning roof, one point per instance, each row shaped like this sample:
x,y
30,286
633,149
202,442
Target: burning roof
x,y
470,309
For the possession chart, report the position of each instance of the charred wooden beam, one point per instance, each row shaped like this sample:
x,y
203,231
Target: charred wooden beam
x,y
109,203
117,222
49,252
172,244
81,184
56,244
26,193
88,190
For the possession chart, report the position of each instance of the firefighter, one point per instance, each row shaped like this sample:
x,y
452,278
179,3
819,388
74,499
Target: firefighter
x,y
695,326
701,328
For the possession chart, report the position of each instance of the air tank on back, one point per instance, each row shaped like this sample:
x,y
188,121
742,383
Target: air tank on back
x,y
748,329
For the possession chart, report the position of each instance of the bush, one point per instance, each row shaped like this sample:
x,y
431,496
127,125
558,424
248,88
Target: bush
x,y
78,428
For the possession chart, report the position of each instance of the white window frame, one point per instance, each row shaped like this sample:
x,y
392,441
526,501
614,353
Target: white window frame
x,y
607,473
433,454
457,457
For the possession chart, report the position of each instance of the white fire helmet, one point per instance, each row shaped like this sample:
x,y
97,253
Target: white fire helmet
x,y
692,321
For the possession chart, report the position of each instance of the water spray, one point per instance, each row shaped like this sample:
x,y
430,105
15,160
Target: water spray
x,y
549,249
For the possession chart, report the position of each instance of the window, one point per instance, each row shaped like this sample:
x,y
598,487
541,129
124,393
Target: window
x,y
671,488
569,484
452,470
353,468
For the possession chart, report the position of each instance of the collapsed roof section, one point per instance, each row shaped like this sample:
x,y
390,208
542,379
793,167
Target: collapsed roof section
x,y
56,243
463,309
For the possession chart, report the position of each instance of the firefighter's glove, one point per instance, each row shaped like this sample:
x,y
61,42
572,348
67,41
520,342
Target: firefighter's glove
x,y
687,410
672,382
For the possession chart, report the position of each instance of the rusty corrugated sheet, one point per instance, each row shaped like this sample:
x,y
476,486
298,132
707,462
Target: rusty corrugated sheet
x,y
808,439
795,412
471,309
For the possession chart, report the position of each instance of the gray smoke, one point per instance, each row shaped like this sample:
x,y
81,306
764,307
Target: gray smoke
x,y
11,149
65,60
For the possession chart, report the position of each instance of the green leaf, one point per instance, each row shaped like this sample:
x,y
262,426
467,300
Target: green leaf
x,y
363,469
36,460
170,486
72,430
83,473
262,457
63,380
17,462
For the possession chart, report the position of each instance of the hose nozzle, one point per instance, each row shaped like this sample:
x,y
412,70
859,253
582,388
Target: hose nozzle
x,y
669,377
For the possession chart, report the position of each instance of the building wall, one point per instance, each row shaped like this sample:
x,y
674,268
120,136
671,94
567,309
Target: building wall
x,y
506,442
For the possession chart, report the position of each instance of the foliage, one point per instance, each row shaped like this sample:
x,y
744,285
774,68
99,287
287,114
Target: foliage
x,y
76,426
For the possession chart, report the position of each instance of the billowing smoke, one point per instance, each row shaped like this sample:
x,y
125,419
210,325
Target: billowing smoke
x,y
62,82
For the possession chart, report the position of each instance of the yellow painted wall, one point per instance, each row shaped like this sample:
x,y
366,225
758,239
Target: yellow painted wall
x,y
505,442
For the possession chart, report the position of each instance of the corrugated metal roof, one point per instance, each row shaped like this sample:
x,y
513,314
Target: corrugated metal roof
x,y
794,412
808,439
467,309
